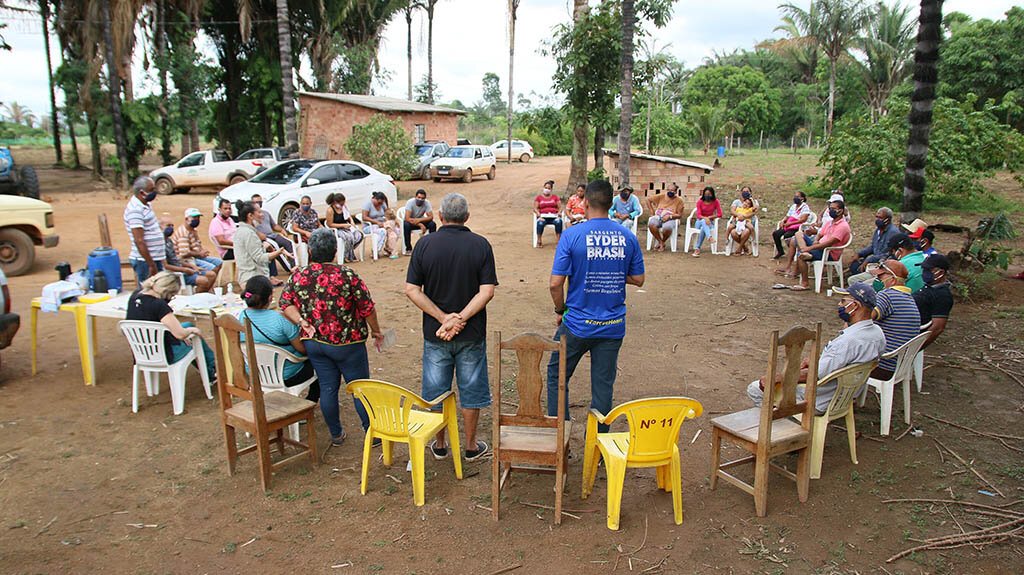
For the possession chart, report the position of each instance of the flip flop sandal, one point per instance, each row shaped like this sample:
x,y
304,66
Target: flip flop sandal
x,y
780,286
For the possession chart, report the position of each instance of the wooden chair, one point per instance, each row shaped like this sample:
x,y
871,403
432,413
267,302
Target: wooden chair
x,y
769,431
259,414
529,441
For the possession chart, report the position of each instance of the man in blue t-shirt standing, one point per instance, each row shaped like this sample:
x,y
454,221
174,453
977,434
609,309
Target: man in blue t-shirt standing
x,y
599,257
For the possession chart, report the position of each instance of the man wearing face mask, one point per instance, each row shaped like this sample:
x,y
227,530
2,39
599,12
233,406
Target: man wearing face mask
x,y
201,279
222,230
419,214
934,300
147,254
189,248
925,242
895,312
825,245
625,208
905,250
860,342
879,248
665,213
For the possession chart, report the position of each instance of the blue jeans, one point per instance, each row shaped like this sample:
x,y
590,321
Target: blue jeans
x,y
467,361
180,349
604,357
858,267
141,268
706,231
626,223
543,222
332,363
208,263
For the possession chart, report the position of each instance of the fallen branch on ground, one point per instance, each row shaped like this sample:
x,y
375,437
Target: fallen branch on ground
x,y
46,527
970,467
539,506
505,569
731,322
974,537
997,436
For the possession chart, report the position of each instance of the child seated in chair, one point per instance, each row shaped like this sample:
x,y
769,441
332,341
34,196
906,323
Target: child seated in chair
x,y
741,228
392,226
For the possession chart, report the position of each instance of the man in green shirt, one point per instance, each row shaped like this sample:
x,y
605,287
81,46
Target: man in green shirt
x,y
905,250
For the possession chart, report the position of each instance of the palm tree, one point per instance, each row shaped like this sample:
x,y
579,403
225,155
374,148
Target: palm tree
x,y
284,41
580,129
44,13
114,92
18,114
409,9
712,123
887,45
801,47
626,89
834,25
926,57
430,49
513,6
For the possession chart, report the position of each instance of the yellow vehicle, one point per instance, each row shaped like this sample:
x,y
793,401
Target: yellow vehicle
x,y
24,224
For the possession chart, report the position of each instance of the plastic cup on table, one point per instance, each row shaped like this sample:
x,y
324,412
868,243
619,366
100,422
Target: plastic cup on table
x,y
219,291
112,292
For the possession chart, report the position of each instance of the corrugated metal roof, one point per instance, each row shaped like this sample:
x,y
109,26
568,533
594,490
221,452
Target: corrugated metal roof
x,y
707,169
383,103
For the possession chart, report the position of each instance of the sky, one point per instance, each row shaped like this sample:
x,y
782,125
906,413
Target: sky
x,y
471,39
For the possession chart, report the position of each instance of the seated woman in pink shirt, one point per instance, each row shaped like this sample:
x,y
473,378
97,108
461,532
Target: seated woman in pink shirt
x,y
708,210
548,207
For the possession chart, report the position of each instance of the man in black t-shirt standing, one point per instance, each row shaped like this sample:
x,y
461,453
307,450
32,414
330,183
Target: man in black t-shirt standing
x,y
934,300
451,278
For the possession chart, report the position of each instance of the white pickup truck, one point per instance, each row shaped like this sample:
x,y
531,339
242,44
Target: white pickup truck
x,y
210,168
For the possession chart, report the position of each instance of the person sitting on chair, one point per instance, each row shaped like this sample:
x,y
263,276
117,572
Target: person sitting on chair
x,y
574,212
305,220
201,279
547,208
273,328
860,342
222,230
878,250
150,303
743,226
625,207
833,234
419,215
708,209
895,312
189,248
273,234
666,212
797,215
934,300
339,219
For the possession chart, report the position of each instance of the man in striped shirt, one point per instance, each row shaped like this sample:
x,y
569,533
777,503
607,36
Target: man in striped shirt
x,y
895,312
147,254
189,247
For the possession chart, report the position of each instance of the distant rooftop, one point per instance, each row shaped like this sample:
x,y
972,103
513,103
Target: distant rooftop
x,y
383,103
707,169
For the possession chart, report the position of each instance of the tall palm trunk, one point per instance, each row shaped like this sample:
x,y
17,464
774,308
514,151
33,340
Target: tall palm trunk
x,y
44,12
831,95
408,47
76,160
926,58
580,131
284,40
160,38
626,90
513,5
114,87
430,50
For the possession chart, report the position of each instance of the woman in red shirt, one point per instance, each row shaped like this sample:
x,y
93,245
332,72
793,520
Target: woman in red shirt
x,y
548,207
708,210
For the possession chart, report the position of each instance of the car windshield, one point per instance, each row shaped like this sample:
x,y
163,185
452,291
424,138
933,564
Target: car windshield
x,y
284,173
459,153
424,149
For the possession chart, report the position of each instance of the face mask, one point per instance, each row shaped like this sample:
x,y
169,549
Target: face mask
x,y
671,194
258,204
708,199
624,195
420,201
223,217
844,314
338,207
746,195
547,192
306,208
798,200
168,231
880,224
878,285
833,213
194,223
927,275
151,196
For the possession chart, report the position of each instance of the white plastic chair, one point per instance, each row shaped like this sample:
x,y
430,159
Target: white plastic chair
x,y
692,232
184,288
919,361
730,243
146,339
270,361
632,227
673,240
301,250
400,214
904,356
534,226
827,265
368,237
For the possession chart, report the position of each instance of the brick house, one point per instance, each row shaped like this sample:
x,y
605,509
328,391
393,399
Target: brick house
x,y
327,120
650,175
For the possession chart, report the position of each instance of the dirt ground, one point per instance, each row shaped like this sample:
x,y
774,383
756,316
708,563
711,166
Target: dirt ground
x,y
87,486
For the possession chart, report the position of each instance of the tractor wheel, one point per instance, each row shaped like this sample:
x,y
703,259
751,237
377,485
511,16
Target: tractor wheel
x,y
164,186
29,185
490,174
468,177
17,254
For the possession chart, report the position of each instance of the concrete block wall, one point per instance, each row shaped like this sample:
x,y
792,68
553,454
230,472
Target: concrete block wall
x,y
650,177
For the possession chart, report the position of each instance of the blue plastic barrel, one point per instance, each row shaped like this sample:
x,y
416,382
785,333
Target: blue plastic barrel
x,y
721,151
108,260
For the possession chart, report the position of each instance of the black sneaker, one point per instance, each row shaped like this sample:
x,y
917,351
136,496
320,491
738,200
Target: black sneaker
x,y
438,452
474,454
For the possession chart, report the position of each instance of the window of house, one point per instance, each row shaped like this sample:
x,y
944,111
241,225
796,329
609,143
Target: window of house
x,y
420,133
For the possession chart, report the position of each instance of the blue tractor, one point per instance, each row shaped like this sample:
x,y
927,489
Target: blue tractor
x,y
17,180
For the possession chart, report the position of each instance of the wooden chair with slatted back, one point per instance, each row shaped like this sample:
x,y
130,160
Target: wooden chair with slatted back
x,y
260,414
769,431
529,441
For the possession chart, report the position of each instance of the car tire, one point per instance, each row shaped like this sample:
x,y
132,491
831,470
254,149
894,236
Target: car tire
x,y
524,158
236,179
17,254
285,215
29,185
490,174
164,186
425,173
468,177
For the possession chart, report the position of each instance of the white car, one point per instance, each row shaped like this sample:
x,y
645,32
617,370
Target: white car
x,y
283,185
463,163
209,168
521,150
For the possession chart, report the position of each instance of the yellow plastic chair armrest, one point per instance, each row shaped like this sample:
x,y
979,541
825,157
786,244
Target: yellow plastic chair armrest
x,y
440,399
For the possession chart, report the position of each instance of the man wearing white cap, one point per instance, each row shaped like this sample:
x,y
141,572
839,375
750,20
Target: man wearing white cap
x,y
189,248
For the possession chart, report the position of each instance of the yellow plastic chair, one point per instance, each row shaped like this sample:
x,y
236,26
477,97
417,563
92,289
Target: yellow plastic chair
x,y
392,419
850,382
650,442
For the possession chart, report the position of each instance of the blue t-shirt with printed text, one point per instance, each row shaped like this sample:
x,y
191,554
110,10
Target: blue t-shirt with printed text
x,y
597,255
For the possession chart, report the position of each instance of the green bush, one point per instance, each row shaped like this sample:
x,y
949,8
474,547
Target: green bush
x,y
866,160
383,144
